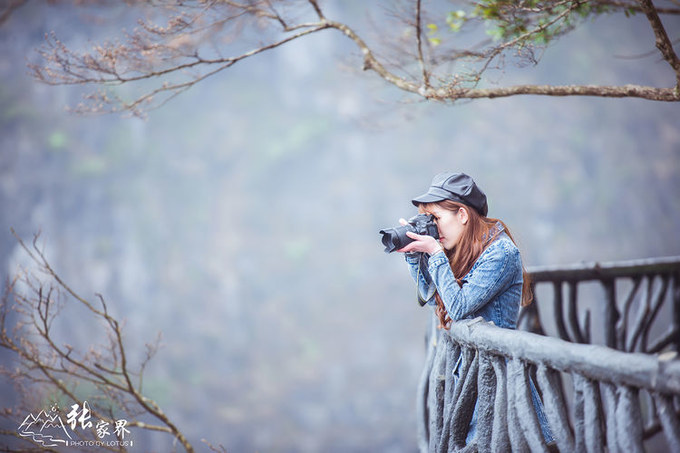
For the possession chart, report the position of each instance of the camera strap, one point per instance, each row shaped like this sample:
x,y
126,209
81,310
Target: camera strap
x,y
423,260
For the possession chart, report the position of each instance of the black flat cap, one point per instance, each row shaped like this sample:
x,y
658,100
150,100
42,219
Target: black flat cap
x,y
457,187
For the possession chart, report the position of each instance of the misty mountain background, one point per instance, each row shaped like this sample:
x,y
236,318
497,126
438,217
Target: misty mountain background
x,y
241,219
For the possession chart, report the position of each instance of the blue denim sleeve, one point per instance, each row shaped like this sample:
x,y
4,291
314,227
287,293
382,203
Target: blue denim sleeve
x,y
425,289
492,273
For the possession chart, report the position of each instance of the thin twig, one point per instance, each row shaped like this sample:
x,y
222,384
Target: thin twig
x,y
419,39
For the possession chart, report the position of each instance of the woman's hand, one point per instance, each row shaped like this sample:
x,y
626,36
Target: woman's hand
x,y
421,243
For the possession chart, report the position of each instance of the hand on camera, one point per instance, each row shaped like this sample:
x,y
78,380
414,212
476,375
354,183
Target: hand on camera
x,y
421,243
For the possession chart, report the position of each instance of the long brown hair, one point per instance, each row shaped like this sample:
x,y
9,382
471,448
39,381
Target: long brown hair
x,y
477,234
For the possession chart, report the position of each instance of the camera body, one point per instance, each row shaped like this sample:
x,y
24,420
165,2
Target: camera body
x,y
395,238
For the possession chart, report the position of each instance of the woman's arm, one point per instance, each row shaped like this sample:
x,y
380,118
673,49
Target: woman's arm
x,y
418,268
493,273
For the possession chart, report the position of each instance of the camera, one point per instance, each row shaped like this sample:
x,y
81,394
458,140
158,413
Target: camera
x,y
395,238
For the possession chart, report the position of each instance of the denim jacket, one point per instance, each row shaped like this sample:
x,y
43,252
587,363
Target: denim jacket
x,y
492,289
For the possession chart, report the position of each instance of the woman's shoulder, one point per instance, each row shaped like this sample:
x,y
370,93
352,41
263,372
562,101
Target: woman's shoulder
x,y
501,254
502,245
501,250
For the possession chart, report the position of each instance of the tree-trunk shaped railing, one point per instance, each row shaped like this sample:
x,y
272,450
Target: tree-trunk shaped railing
x,y
649,285
596,398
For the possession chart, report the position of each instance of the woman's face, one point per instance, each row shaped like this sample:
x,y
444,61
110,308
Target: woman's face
x,y
449,223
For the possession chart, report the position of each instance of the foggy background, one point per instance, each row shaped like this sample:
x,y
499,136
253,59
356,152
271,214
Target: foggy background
x,y
241,220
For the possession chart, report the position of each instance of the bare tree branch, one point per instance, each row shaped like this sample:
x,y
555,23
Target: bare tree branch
x,y
419,40
173,54
637,8
663,43
45,363
8,9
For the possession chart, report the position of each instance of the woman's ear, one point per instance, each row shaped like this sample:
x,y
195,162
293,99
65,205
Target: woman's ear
x,y
463,215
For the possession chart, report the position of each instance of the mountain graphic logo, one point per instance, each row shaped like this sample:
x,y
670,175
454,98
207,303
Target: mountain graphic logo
x,y
46,429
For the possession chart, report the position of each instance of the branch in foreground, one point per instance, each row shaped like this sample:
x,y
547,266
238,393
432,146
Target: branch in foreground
x,y
455,92
173,53
29,320
663,43
9,8
625,91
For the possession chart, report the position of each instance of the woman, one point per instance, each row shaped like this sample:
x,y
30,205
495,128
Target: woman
x,y
474,268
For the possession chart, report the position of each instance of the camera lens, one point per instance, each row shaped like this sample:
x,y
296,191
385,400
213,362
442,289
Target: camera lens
x,y
395,238
388,241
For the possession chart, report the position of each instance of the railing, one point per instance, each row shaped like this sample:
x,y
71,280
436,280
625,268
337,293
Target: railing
x,y
595,397
646,284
